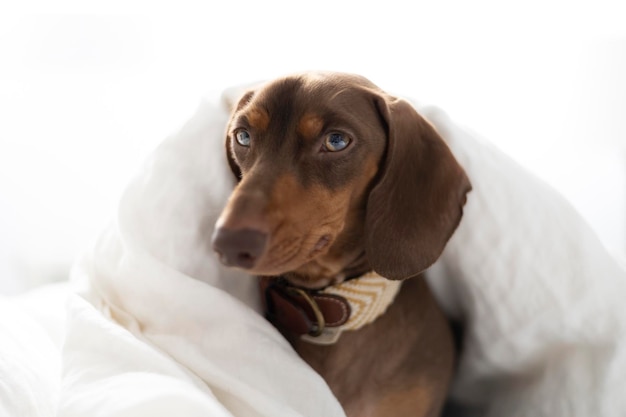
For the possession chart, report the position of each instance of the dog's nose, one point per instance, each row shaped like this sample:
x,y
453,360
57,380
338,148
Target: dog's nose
x,y
241,247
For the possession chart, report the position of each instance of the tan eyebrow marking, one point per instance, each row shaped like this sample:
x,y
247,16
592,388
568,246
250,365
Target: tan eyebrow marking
x,y
258,118
310,126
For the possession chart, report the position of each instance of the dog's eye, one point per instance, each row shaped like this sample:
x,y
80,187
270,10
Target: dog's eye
x,y
336,142
243,138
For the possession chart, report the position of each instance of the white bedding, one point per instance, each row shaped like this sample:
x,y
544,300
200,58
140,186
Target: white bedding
x,y
154,326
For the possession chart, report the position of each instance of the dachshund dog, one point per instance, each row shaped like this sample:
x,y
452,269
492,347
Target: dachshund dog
x,y
338,180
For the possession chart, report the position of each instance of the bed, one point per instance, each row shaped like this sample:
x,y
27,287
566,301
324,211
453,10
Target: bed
x,y
150,324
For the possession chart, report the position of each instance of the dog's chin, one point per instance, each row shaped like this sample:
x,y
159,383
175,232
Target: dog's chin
x,y
314,274
307,273
304,281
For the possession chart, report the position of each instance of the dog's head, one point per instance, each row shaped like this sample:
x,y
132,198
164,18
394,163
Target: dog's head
x,y
333,171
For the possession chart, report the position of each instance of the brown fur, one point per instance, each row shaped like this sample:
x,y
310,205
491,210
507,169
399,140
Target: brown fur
x,y
388,202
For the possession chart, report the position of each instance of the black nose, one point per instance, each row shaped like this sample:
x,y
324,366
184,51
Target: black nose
x,y
241,248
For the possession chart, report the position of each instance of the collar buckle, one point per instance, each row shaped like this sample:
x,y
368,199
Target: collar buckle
x,y
320,322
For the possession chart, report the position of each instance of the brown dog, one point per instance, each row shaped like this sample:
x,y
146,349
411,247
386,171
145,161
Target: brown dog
x,y
336,179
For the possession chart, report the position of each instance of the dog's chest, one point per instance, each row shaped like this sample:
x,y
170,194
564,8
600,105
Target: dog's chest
x,y
407,350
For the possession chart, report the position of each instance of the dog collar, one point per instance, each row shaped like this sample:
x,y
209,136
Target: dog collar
x,y
320,316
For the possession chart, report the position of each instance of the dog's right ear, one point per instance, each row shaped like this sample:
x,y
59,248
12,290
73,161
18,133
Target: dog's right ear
x,y
418,201
245,99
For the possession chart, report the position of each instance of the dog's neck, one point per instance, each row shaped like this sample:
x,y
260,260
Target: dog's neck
x,y
321,316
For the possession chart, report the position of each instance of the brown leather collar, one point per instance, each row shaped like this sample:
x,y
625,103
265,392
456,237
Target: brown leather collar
x,y
302,312
320,316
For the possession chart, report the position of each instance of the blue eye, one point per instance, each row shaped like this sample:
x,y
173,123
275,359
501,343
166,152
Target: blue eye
x,y
336,142
243,138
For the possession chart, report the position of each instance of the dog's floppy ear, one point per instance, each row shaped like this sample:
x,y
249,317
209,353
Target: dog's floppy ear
x,y
418,200
245,99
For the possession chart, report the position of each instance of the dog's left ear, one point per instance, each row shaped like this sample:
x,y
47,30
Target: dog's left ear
x,y
418,200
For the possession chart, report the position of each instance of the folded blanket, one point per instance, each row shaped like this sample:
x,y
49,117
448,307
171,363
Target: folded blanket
x,y
160,328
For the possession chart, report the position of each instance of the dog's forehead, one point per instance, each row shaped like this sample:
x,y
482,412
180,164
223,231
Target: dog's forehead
x,y
303,91
309,99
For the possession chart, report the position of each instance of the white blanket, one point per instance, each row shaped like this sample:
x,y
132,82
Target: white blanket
x,y
159,328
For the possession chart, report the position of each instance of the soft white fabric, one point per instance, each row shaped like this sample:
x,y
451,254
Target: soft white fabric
x,y
159,328
541,298
31,333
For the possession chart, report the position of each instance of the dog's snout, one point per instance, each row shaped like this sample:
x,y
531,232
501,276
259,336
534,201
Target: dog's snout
x,y
240,247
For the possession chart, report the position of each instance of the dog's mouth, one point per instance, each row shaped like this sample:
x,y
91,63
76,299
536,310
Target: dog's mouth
x,y
321,244
256,253
282,259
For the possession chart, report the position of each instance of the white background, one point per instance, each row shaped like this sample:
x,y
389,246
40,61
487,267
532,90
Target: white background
x,y
87,90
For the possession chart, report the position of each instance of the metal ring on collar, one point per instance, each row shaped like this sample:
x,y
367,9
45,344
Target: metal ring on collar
x,y
321,322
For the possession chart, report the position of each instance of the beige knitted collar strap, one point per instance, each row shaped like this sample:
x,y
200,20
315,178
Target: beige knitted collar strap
x,y
321,316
